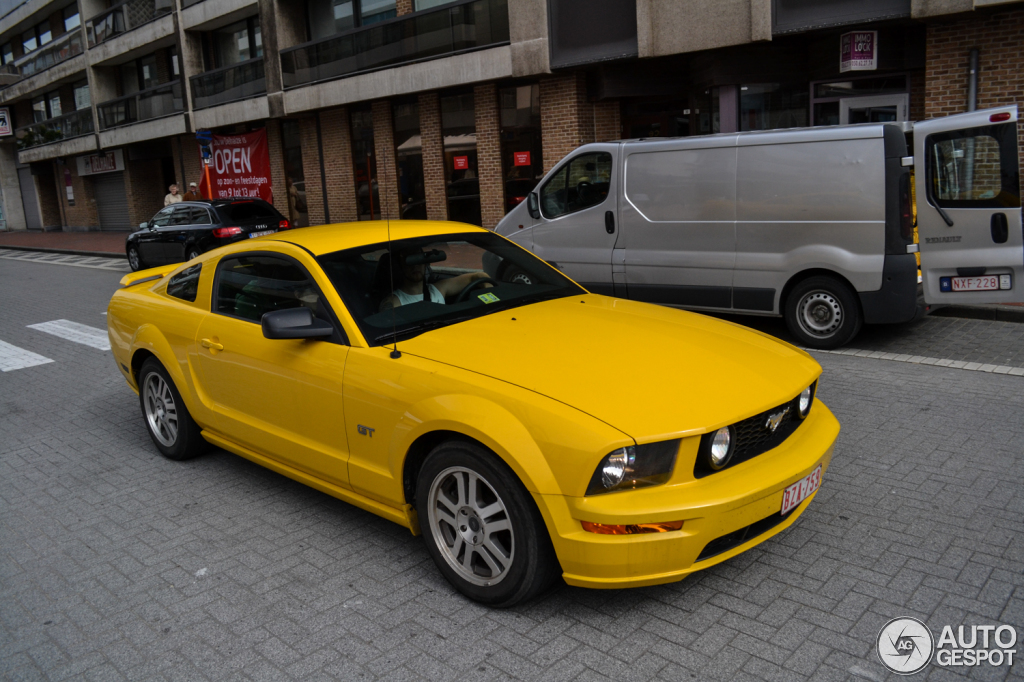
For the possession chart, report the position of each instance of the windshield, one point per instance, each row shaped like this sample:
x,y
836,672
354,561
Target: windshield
x,y
430,282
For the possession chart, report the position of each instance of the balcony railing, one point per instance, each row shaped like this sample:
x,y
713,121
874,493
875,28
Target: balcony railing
x,y
75,124
61,49
470,25
163,100
123,17
228,84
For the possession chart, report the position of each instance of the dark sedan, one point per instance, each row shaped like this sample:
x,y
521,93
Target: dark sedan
x,y
182,231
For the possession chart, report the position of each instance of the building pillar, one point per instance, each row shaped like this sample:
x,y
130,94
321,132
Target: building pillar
x,y
83,215
10,187
566,117
188,161
387,167
278,185
48,200
433,157
311,170
144,185
607,121
488,154
341,181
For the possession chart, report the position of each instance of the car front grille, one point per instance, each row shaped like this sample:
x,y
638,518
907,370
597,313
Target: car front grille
x,y
738,537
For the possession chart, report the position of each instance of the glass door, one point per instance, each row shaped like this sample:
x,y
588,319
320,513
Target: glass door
x,y
879,109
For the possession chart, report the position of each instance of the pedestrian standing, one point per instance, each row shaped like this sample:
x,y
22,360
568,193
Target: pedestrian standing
x,y
193,193
173,197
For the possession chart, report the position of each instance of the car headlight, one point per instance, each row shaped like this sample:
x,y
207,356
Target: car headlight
x,y
634,467
805,400
721,448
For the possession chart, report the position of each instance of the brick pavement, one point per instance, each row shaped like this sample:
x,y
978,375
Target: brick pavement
x,y
118,564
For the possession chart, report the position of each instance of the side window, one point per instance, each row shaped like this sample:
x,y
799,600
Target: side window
x,y
181,215
974,168
200,216
185,285
580,184
250,286
163,218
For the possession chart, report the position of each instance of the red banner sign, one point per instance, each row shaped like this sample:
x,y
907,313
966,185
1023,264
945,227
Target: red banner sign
x,y
521,158
461,162
239,167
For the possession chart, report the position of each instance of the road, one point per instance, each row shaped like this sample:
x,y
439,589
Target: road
x,y
118,564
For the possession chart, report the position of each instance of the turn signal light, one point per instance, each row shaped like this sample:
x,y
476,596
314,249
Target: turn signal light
x,y
996,118
631,529
284,225
221,232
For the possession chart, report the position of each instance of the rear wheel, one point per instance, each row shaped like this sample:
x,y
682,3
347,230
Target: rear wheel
x,y
481,526
823,312
174,432
134,260
193,253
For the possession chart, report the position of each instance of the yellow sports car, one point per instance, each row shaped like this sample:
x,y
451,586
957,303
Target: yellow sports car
x,y
442,377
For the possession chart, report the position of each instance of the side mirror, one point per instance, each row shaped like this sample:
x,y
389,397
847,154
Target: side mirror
x,y
533,205
143,225
294,323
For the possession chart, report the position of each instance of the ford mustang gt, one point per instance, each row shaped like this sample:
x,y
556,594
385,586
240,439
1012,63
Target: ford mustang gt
x,y
527,428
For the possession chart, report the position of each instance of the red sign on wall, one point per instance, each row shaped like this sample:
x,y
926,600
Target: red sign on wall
x,y
521,158
239,167
461,162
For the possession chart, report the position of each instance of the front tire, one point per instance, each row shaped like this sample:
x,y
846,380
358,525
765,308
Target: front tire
x,y
174,432
481,526
135,260
823,312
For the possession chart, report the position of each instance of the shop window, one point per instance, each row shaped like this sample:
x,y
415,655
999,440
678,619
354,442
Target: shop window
x,y
294,175
709,119
367,198
409,154
330,17
826,96
769,106
656,118
522,163
458,125
71,18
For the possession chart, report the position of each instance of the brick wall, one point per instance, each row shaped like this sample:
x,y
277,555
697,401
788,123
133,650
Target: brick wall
x,y
566,118
341,181
83,215
311,170
433,157
186,154
488,154
997,36
278,186
144,184
387,169
46,188
607,123
405,7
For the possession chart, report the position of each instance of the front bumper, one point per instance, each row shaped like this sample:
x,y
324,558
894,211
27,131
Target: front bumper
x,y
744,496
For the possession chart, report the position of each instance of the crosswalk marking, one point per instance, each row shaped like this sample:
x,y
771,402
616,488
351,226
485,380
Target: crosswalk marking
x,y
12,358
75,331
94,262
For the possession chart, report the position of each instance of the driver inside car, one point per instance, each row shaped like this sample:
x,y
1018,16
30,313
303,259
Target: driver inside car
x,y
409,279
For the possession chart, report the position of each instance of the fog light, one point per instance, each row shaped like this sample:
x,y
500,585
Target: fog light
x,y
721,448
631,529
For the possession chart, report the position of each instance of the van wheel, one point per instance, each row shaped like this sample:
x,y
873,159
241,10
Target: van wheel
x,y
822,312
516,275
481,527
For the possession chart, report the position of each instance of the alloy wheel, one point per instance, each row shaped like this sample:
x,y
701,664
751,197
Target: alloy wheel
x,y
133,259
161,412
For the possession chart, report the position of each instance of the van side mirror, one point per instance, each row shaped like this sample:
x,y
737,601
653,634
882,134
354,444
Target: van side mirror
x,y
294,323
533,205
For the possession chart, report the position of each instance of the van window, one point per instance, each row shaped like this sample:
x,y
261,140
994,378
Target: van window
x,y
579,184
974,168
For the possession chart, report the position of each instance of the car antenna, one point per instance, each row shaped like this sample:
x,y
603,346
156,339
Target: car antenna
x,y
395,353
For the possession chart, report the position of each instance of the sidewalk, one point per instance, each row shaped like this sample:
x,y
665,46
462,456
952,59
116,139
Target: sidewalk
x,y
109,244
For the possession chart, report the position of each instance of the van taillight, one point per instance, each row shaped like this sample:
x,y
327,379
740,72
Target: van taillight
x,y
284,225
906,209
221,232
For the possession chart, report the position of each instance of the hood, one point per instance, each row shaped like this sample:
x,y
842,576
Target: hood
x,y
649,371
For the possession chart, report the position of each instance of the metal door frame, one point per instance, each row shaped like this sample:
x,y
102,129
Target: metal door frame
x,y
902,103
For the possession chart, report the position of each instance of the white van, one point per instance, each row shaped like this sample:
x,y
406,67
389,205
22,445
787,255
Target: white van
x,y
814,224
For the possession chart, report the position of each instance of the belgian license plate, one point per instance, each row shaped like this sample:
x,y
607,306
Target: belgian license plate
x,y
261,233
801,490
983,283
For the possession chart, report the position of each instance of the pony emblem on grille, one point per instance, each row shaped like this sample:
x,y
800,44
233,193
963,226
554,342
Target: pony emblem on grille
x,y
775,419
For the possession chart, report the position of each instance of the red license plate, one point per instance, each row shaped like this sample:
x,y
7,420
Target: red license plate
x,y
801,490
983,283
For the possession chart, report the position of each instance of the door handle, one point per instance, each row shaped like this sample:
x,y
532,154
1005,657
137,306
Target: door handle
x,y
609,222
1000,228
212,345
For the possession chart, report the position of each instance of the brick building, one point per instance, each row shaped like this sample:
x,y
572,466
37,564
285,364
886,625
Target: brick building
x,y
427,108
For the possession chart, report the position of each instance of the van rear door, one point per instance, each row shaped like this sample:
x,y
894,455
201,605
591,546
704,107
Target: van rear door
x,y
968,214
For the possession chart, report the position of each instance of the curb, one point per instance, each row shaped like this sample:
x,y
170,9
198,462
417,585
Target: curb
x,y
994,313
73,252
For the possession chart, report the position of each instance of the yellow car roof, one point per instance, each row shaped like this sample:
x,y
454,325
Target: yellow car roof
x,y
329,238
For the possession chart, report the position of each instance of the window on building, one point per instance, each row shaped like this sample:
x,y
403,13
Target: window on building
x,y
147,72
129,78
81,93
29,41
39,109
53,103
172,55
768,106
657,117
330,17
235,43
71,18
364,162
709,118
7,54
294,175
827,96
428,4
522,163
458,125
409,153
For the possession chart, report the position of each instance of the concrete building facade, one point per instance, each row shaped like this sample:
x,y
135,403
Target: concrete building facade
x,y
447,110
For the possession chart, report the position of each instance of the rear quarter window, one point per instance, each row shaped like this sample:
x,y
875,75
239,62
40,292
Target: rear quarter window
x,y
185,285
247,210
